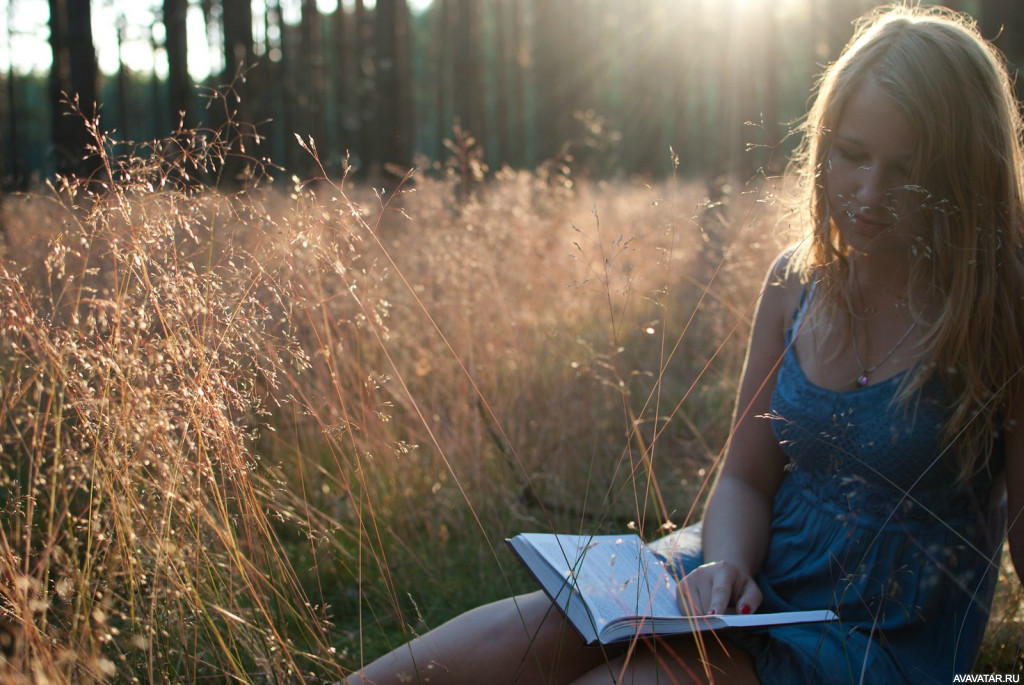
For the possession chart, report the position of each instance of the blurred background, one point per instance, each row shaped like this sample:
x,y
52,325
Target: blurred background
x,y
606,85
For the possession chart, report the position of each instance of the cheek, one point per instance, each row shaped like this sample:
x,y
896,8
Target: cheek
x,y
835,180
912,219
917,222
835,190
912,204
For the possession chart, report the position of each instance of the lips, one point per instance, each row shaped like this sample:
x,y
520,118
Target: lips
x,y
874,222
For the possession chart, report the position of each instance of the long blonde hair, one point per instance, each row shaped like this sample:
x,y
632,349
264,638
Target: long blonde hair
x,y
954,87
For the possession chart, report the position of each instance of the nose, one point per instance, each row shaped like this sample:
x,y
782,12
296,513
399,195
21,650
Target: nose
x,y
871,190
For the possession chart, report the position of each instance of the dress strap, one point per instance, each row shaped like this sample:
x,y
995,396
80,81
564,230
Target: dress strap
x,y
801,309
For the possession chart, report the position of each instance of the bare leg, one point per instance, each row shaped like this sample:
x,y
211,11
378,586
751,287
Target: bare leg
x,y
679,661
516,640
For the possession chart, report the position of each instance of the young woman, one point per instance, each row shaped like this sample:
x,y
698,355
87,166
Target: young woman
x,y
877,446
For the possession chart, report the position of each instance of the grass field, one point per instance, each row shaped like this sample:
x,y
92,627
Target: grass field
x,y
266,435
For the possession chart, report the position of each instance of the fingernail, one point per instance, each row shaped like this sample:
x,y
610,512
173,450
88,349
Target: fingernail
x,y
711,612
744,609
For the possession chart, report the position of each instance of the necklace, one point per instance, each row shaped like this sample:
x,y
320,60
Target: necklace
x,y
862,377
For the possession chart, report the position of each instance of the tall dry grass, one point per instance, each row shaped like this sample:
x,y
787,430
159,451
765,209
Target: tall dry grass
x,y
530,358
142,336
263,436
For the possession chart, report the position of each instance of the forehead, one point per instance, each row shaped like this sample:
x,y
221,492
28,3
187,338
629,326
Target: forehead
x,y
871,118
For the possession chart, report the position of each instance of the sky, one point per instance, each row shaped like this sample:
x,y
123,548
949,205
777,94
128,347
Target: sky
x,y
24,34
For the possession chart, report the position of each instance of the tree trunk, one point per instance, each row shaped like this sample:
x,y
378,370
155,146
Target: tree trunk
x,y
159,105
281,107
122,81
391,62
74,74
469,102
312,90
365,104
239,57
341,79
683,93
776,158
550,73
238,46
14,161
642,118
503,21
442,49
1002,22
520,61
179,84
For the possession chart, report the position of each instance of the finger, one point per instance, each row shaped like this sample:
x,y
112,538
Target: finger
x,y
688,597
684,598
691,590
749,597
721,593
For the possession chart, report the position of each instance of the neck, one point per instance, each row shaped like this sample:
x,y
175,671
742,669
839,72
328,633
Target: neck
x,y
879,285
881,271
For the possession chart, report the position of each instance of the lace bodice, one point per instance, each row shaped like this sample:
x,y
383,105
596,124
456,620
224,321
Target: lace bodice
x,y
861,450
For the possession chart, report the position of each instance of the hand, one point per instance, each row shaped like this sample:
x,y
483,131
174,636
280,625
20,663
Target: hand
x,y
714,587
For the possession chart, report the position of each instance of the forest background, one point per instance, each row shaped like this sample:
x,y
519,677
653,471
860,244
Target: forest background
x,y
270,401
381,84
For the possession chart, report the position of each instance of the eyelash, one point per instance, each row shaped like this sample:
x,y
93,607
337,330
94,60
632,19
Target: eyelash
x,y
849,156
857,158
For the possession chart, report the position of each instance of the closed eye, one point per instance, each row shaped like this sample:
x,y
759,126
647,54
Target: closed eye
x,y
850,155
898,172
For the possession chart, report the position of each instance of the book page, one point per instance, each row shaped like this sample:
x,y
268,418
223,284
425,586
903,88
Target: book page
x,y
616,575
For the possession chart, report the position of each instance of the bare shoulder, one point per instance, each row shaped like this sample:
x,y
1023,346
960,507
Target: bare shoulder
x,y
784,273
782,289
780,297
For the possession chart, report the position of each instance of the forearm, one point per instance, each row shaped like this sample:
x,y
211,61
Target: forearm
x,y
738,514
737,524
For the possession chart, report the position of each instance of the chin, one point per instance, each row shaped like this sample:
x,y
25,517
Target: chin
x,y
872,238
880,243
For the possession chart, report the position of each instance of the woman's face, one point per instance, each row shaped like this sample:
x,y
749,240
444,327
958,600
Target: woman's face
x,y
868,173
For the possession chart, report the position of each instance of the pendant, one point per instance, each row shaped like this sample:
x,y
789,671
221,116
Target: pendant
x,y
862,380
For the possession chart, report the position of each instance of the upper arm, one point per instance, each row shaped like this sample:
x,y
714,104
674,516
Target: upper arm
x,y
753,454
1014,471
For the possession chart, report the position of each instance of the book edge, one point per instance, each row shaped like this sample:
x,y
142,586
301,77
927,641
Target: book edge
x,y
649,625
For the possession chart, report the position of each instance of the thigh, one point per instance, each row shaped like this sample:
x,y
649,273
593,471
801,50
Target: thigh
x,y
551,651
522,639
701,658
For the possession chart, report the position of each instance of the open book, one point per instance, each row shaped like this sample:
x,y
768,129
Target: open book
x,y
612,588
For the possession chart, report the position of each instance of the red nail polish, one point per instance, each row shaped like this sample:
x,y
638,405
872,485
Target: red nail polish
x,y
711,612
744,609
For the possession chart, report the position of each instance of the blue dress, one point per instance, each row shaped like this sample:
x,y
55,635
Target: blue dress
x,y
868,521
